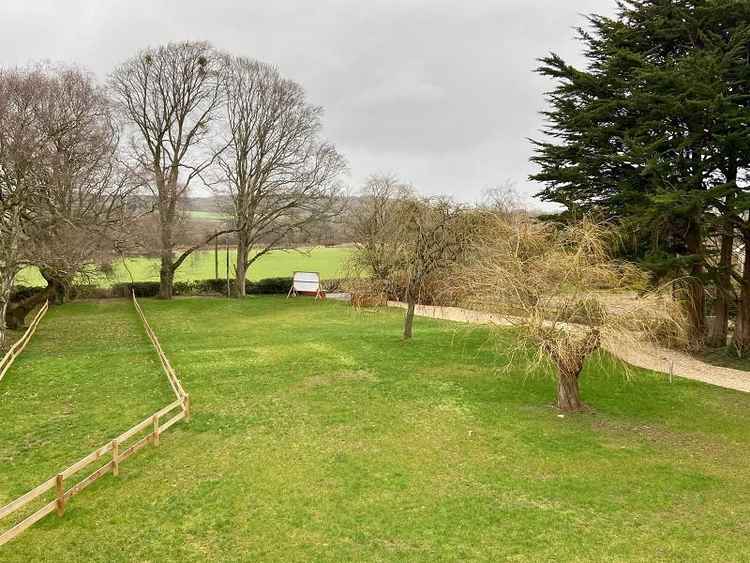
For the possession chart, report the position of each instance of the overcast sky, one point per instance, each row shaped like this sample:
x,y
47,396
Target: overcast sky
x,y
439,92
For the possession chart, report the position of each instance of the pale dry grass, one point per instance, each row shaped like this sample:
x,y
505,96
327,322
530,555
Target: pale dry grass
x,y
547,280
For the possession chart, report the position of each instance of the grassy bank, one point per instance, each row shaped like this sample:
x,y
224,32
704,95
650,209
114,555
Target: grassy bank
x,y
319,435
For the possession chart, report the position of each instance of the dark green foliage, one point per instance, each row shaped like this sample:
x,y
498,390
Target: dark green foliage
x,y
642,128
22,292
202,287
269,286
654,134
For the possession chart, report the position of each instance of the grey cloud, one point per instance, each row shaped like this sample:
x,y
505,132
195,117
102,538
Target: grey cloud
x,y
440,92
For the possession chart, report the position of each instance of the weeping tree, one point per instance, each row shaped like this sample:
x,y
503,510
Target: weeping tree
x,y
169,98
280,175
543,278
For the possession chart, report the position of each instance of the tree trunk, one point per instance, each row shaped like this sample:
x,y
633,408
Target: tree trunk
x,y
166,187
409,319
56,290
742,328
719,328
166,276
240,281
695,290
568,393
8,265
5,289
16,312
166,272
569,364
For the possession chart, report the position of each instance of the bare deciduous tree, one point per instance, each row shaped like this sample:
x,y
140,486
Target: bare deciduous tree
x,y
170,96
280,175
502,199
435,235
23,142
85,189
373,225
404,241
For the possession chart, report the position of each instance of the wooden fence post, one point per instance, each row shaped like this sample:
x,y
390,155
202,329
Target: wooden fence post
x,y
187,408
115,458
156,430
60,487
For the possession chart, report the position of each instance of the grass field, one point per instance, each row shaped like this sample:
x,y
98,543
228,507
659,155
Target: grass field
x,y
319,435
725,358
208,215
329,261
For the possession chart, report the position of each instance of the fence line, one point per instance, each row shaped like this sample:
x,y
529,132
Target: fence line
x,y
112,450
168,369
19,345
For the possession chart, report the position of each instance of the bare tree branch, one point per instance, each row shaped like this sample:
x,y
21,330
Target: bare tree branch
x,y
280,176
169,97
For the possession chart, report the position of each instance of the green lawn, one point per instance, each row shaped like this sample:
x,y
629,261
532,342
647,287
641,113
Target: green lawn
x,y
318,434
208,215
726,357
201,265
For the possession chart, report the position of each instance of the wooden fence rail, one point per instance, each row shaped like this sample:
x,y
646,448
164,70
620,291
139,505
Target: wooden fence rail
x,y
168,369
114,450
18,347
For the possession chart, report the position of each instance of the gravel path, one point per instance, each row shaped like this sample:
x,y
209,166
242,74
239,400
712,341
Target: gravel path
x,y
649,357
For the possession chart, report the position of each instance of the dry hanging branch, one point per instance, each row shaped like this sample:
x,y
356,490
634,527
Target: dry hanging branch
x,y
545,277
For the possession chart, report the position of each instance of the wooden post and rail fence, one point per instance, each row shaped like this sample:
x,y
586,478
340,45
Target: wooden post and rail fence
x,y
18,347
115,451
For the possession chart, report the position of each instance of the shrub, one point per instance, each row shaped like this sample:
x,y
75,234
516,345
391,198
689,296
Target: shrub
x,y
142,289
333,285
366,292
21,292
269,286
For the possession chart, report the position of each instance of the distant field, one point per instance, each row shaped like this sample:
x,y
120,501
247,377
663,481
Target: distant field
x,y
207,215
330,262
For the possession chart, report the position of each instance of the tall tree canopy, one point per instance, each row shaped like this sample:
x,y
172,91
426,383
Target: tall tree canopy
x,y
168,98
654,133
280,175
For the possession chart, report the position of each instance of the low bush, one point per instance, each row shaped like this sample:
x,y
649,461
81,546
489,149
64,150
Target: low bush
x,y
333,285
142,289
21,292
269,286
